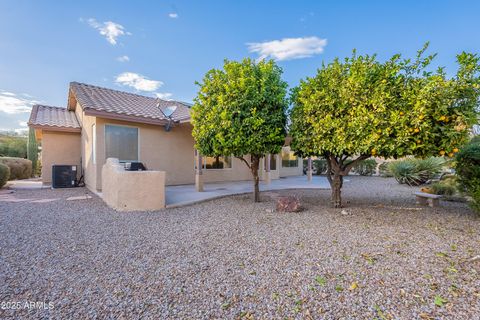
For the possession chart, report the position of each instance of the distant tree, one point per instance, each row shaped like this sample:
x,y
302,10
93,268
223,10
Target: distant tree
x,y
13,145
241,110
360,107
32,150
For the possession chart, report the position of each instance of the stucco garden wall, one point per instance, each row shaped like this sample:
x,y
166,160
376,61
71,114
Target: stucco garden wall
x,y
132,190
59,148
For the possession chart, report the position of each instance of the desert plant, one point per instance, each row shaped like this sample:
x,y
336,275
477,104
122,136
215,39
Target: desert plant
x,y
415,172
442,188
4,174
383,170
468,172
366,167
32,150
19,168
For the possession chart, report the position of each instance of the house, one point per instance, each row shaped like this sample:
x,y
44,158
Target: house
x,y
100,123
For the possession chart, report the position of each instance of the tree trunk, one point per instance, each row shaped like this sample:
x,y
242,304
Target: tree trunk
x,y
336,186
337,168
254,168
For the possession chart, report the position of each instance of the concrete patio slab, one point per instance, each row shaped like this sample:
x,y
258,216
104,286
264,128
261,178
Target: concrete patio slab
x,y
177,196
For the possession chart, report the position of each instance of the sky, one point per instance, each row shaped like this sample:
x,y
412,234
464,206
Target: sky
x,y
161,48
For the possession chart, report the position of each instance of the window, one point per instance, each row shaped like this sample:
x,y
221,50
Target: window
x,y
121,142
94,144
289,159
273,162
220,162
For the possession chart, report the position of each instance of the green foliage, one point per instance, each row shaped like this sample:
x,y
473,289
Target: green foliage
x,y
32,150
443,188
415,172
392,109
383,170
12,145
365,167
19,168
319,166
4,174
468,172
240,110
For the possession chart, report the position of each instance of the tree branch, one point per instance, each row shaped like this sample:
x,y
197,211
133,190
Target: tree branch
x,y
349,166
245,161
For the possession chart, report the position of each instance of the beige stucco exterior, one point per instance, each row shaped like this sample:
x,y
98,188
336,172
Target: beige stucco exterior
x,y
58,148
171,152
121,191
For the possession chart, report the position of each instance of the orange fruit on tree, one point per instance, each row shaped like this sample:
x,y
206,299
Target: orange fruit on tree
x,y
455,150
416,130
451,154
442,152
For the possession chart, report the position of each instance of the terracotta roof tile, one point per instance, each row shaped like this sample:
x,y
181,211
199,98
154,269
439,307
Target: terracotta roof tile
x,y
54,117
124,103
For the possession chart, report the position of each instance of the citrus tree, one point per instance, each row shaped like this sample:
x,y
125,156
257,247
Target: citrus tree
x,y
240,110
360,107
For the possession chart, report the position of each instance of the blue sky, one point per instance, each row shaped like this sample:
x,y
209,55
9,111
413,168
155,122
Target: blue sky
x,y
161,48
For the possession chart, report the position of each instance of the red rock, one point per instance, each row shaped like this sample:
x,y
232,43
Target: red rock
x,y
288,204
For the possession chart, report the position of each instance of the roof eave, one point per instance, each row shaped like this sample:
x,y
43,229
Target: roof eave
x,y
124,117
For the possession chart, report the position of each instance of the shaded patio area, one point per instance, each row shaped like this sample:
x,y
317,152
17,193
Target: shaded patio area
x,y
186,194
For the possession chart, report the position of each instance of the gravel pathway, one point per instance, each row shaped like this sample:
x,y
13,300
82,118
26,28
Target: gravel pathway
x,y
229,258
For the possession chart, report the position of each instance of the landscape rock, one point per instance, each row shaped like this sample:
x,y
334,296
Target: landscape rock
x,y
288,204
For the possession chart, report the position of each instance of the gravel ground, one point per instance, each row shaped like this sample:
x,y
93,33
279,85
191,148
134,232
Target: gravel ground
x,y
230,258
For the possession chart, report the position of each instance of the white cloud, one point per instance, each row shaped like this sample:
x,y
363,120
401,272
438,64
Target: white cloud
x,y
123,59
10,103
288,48
138,81
164,95
110,30
22,123
173,15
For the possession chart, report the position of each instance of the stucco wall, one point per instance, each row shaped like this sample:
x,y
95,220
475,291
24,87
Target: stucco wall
x,y
171,151
132,190
89,167
59,148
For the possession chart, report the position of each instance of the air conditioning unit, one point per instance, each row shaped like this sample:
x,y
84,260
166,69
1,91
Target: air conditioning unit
x,y
63,176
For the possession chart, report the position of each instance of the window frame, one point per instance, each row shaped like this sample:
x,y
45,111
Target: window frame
x,y
297,160
121,125
204,164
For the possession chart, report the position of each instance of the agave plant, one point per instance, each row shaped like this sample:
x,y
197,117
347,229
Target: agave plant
x,y
415,172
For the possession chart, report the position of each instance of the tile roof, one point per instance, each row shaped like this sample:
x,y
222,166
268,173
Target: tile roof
x,y
53,117
124,103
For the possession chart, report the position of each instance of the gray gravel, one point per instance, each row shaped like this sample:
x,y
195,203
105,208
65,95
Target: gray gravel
x,y
230,258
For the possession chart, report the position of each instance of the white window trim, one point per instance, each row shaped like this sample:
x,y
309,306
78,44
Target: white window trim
x,y
121,125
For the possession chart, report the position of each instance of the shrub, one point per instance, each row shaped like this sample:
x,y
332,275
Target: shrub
x,y
366,167
383,170
13,145
320,166
4,174
19,168
415,172
443,189
468,172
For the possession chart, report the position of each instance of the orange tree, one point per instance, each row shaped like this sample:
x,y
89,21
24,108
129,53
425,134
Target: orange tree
x,y
359,107
241,110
